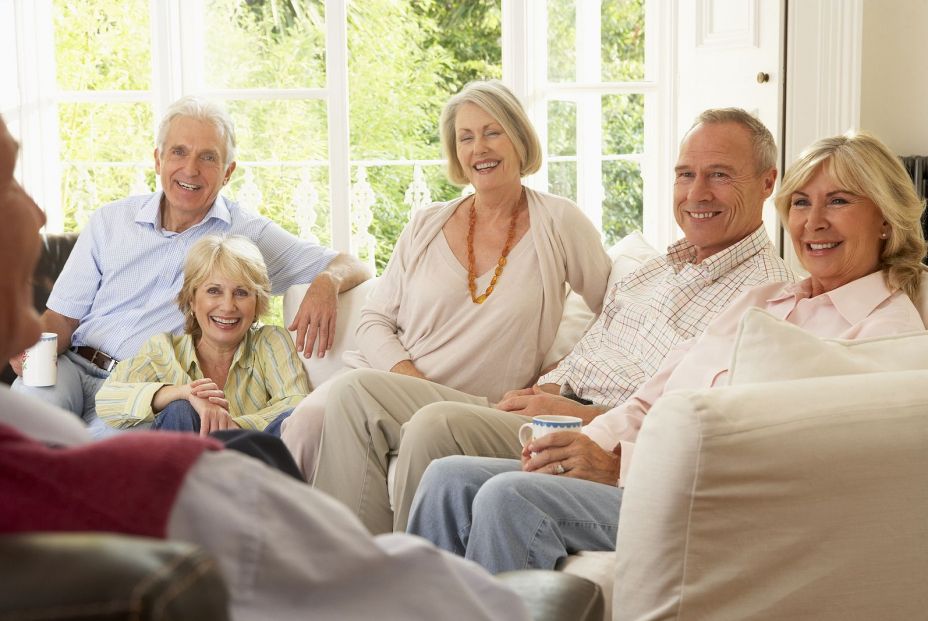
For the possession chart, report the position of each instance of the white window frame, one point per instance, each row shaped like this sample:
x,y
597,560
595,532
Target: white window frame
x,y
525,40
177,67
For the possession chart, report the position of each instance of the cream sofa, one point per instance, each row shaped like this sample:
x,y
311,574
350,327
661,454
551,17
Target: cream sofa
x,y
779,497
797,492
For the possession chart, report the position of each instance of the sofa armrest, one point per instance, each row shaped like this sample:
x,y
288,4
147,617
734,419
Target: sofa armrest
x,y
348,316
554,595
63,576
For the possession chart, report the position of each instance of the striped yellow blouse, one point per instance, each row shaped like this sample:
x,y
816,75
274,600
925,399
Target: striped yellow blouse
x,y
266,378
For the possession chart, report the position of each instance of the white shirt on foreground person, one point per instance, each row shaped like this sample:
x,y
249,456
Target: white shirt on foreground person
x,y
288,552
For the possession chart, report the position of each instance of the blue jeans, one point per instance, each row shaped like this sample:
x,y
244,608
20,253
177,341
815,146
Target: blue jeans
x,y
75,391
180,416
490,511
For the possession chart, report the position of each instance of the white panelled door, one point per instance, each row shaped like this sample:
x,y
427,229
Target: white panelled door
x,y
730,53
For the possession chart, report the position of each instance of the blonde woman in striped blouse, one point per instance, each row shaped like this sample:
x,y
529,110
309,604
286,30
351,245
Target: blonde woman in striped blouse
x,y
225,371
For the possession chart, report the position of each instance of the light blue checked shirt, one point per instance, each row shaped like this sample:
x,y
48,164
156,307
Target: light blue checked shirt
x,y
122,278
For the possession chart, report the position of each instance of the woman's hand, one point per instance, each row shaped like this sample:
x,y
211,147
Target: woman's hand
x,y
576,453
406,367
209,401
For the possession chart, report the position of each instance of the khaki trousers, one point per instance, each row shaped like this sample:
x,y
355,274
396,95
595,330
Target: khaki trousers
x,y
371,416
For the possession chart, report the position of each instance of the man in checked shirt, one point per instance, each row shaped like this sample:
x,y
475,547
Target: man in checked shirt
x,y
725,170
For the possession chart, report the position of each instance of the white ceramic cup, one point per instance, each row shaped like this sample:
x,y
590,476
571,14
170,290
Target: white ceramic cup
x,y
546,423
40,362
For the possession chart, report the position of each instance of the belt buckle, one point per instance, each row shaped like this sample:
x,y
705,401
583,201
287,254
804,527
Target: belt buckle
x,y
108,365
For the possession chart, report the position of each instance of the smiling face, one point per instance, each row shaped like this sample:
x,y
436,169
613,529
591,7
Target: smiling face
x,y
191,169
225,310
718,193
486,153
20,246
837,234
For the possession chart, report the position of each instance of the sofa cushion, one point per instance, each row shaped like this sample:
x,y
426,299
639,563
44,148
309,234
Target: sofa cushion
x,y
768,349
801,499
348,314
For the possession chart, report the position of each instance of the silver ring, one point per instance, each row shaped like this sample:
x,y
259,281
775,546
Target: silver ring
x,y
559,468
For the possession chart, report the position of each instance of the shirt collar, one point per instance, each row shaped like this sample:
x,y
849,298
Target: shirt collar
x,y
244,356
150,213
854,301
683,253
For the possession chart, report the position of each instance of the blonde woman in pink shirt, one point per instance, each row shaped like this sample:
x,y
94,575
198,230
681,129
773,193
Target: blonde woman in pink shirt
x,y
855,223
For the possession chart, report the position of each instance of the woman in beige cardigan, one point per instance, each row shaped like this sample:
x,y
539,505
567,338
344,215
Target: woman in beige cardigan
x,y
475,290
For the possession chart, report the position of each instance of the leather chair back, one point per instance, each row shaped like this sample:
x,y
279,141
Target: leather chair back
x,y
55,252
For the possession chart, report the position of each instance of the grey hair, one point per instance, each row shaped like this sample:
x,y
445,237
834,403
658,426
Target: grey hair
x,y
203,110
765,147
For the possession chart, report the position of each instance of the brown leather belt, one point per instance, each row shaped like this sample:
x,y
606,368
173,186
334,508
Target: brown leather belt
x,y
95,356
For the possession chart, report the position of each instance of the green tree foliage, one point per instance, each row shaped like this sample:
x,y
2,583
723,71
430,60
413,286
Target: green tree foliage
x,y
406,58
622,59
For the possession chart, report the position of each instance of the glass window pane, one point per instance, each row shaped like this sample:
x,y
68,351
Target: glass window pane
x,y
282,152
623,124
102,45
87,187
562,179
562,53
622,204
106,154
562,128
283,187
280,130
623,40
106,132
269,44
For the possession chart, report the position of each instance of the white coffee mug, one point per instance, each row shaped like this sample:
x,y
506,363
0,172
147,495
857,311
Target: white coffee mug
x,y
544,424
40,362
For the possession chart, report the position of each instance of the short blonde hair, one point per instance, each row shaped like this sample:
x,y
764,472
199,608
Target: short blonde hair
x,y
500,103
234,257
864,166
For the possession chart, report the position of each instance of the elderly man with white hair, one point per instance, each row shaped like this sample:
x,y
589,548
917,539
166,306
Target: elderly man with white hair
x,y
120,282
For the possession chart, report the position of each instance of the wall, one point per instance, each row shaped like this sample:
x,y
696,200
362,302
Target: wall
x,y
894,83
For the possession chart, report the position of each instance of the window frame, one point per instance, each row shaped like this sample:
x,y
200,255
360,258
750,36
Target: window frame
x,y
177,67
525,39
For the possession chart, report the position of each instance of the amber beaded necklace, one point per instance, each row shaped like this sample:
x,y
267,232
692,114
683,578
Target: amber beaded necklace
x,y
471,270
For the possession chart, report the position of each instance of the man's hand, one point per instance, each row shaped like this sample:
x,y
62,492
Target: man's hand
x,y
209,401
553,389
539,401
576,453
316,317
17,363
315,320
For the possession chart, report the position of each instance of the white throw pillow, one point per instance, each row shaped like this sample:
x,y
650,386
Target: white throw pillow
x,y
769,350
628,254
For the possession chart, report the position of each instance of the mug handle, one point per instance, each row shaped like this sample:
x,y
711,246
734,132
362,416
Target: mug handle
x,y
525,433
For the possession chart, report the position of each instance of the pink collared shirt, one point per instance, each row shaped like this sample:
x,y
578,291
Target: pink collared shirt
x,y
860,309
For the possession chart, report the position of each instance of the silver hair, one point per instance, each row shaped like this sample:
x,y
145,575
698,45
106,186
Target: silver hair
x,y
204,110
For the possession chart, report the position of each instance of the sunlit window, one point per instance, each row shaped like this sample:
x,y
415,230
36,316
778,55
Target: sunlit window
x,y
336,102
